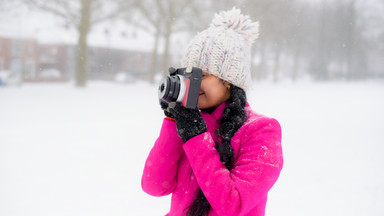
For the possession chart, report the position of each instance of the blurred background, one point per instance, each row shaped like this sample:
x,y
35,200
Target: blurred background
x,y
79,111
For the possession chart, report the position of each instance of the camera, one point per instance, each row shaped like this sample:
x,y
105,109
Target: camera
x,y
182,85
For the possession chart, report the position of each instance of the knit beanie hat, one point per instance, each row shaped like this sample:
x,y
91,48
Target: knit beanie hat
x,y
224,49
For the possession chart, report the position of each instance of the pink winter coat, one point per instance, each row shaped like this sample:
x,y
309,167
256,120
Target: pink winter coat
x,y
181,168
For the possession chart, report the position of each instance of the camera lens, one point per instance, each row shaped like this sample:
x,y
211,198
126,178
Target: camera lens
x,y
172,88
164,88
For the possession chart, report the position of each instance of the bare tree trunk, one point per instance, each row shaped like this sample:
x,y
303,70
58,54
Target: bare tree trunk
x,y
322,61
277,63
167,37
296,62
154,55
350,40
261,67
82,50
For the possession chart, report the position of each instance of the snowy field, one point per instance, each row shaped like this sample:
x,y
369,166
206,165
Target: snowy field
x,y
80,152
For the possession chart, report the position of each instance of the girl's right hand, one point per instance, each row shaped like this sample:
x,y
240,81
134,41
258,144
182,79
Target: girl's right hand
x,y
164,107
189,122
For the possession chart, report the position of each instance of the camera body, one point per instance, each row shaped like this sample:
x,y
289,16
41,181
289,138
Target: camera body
x,y
182,85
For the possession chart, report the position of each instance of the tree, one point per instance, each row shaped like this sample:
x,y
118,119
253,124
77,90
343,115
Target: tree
x,y
274,31
163,18
82,15
354,42
339,43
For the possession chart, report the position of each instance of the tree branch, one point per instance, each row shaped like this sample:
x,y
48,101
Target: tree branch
x,y
66,13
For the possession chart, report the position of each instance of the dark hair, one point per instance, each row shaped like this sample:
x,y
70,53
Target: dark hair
x,y
232,119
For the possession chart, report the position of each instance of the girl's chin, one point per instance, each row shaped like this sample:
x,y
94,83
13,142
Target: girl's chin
x,y
201,105
200,102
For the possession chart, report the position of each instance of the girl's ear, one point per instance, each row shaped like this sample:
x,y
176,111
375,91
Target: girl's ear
x,y
226,84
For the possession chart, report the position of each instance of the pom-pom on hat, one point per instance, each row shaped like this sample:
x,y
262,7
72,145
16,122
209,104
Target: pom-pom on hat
x,y
224,49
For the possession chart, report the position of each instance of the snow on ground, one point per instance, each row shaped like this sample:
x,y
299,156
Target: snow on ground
x,y
68,151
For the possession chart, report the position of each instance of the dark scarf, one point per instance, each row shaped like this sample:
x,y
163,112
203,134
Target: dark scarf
x,y
232,119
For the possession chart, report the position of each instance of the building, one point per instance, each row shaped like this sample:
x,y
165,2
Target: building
x,y
105,63
56,62
19,56
35,62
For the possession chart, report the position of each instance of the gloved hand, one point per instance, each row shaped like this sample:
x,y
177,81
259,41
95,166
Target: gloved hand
x,y
164,107
189,122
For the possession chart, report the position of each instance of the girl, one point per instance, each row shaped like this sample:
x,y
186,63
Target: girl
x,y
223,158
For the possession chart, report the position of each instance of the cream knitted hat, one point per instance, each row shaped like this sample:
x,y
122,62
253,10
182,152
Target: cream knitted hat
x,y
224,49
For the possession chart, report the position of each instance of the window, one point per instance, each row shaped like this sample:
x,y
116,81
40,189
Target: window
x,y
30,48
16,65
53,51
17,47
30,68
1,62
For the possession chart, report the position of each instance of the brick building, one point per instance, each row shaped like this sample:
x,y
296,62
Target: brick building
x,y
19,56
57,62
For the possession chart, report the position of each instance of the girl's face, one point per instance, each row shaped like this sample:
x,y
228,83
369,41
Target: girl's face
x,y
213,91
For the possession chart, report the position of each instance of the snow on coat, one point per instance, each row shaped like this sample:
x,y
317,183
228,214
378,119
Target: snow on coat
x,y
181,168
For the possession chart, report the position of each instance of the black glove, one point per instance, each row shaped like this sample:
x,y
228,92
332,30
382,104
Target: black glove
x,y
164,106
189,122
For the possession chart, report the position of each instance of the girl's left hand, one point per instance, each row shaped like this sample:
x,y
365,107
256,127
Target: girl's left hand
x,y
189,122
